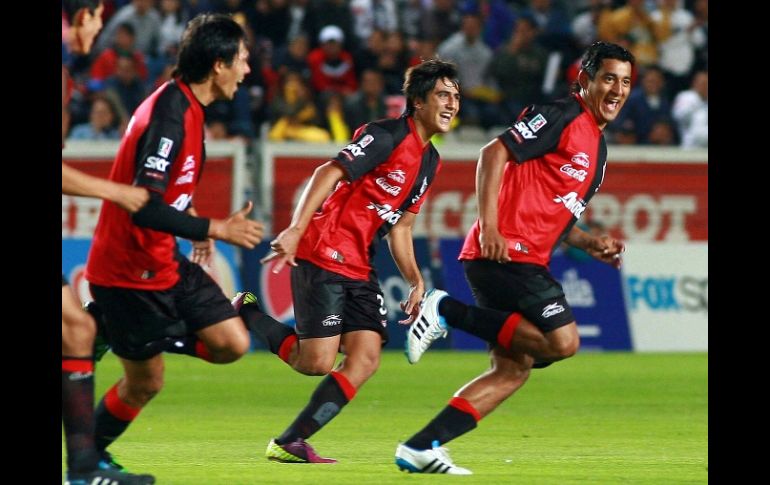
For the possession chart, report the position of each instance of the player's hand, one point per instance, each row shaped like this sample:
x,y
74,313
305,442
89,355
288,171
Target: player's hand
x,y
411,306
238,229
493,245
607,250
203,252
283,249
130,198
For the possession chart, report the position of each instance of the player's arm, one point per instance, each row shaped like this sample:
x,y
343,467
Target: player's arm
x,y
604,248
401,246
489,175
75,182
284,247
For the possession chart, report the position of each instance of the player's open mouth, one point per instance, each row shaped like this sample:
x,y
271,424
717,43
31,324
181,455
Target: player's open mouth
x,y
612,105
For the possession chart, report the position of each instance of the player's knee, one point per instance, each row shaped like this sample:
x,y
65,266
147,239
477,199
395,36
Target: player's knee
x,y
368,363
314,366
78,333
566,347
142,392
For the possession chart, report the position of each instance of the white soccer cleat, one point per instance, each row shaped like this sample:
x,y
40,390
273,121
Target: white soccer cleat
x,y
434,460
427,327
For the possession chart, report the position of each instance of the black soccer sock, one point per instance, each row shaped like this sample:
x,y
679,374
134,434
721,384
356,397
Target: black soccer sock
x,y
456,419
77,401
484,323
331,395
270,331
190,345
112,417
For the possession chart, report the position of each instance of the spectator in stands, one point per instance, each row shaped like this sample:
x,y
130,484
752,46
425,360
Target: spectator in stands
x,y
123,44
145,19
293,57
126,84
320,13
368,103
519,67
368,56
647,105
555,29
441,20
496,17
103,123
632,25
293,113
174,18
331,66
691,112
585,24
370,15
677,41
662,133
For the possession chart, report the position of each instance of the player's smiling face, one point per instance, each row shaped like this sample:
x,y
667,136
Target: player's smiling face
x,y
608,91
437,111
227,77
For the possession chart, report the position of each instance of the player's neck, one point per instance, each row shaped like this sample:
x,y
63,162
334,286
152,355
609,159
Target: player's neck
x,y
204,92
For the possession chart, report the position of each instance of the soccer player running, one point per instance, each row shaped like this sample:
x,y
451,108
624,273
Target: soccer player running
x,y
84,463
151,295
533,183
379,182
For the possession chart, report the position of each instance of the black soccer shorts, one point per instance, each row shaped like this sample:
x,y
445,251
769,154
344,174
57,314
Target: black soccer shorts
x,y
328,304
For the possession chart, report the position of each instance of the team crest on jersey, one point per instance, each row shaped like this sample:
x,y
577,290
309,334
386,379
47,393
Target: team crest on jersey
x,y
581,158
164,147
366,140
537,122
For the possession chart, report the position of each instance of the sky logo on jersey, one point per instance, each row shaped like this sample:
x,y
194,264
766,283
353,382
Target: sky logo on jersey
x,y
552,309
164,147
156,163
573,203
386,212
397,176
521,131
581,158
537,122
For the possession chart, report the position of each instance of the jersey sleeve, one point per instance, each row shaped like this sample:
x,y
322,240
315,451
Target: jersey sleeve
x,y
160,144
536,132
371,146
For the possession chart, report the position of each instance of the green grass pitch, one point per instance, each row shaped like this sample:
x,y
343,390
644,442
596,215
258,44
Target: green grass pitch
x,y
593,419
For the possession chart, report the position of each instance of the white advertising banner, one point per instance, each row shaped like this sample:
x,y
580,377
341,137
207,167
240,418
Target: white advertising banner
x,y
666,292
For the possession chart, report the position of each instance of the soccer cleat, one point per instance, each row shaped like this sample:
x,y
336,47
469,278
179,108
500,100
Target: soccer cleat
x,y
298,451
100,342
433,460
108,476
427,327
108,462
245,298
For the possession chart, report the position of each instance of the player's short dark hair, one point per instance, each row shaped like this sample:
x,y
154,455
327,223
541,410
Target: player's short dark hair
x,y
597,53
208,38
71,7
419,80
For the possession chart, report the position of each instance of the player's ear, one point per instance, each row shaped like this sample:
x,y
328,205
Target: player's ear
x,y
583,79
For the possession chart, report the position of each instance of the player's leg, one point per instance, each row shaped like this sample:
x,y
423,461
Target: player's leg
x,y
142,380
77,383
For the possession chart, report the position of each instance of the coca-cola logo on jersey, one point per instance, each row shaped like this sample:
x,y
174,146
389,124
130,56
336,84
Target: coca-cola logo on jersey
x,y
573,172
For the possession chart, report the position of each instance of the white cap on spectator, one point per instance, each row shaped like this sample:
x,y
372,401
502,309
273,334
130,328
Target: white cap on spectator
x,y
329,33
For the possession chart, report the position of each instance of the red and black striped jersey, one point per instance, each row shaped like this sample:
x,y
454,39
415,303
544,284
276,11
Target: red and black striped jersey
x,y
163,151
560,157
389,171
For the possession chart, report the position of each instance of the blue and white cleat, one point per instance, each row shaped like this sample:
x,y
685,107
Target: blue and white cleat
x,y
433,460
427,327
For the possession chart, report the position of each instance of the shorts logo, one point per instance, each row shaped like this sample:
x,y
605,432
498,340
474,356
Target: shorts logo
x,y
552,309
384,185
164,147
573,172
332,320
537,122
156,163
366,140
397,176
581,158
185,178
573,203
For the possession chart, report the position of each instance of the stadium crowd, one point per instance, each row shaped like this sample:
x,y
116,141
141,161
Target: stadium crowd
x,y
321,68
